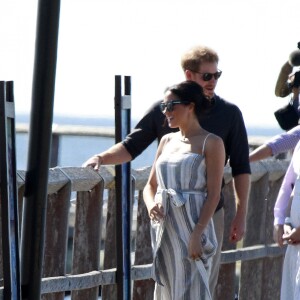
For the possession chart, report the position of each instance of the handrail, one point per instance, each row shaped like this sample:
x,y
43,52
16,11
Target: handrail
x,y
257,252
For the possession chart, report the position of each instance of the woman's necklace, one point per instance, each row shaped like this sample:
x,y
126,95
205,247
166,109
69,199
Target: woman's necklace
x,y
184,139
187,138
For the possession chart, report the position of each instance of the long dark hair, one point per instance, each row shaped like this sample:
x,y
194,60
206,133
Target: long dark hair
x,y
189,91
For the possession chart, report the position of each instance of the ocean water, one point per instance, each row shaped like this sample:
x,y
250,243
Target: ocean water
x,y
74,150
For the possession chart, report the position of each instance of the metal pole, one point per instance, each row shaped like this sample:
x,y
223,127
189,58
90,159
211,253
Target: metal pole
x,y
123,192
9,195
36,182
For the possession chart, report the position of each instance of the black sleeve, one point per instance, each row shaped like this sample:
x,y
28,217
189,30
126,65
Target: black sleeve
x,y
149,128
238,146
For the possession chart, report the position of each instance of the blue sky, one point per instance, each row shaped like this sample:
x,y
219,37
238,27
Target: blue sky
x,y
145,39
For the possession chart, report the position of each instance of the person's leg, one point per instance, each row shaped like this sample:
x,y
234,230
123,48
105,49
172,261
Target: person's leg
x,y
218,219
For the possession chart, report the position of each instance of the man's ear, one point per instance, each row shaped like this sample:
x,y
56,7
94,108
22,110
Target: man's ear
x,y
188,74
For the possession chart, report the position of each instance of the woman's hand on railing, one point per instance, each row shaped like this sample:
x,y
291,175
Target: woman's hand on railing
x,y
94,162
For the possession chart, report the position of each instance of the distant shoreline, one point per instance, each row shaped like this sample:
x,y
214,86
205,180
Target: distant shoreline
x,y
110,122
81,138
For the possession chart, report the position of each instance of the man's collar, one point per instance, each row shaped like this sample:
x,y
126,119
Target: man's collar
x,y
211,102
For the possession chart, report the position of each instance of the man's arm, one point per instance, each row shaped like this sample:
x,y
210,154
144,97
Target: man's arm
x,y
117,154
149,128
242,187
239,162
260,153
278,144
282,88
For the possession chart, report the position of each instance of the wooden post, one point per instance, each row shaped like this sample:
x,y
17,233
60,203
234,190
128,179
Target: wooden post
x,y
251,271
87,237
56,237
109,292
143,289
225,288
271,266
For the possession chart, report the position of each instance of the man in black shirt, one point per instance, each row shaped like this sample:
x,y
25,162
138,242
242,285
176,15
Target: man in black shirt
x,y
219,117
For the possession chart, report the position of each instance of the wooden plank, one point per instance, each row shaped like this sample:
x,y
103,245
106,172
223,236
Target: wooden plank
x,y
87,237
225,288
143,290
82,281
251,270
90,279
56,235
252,253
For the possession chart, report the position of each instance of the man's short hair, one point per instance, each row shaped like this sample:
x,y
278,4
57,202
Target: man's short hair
x,y
194,57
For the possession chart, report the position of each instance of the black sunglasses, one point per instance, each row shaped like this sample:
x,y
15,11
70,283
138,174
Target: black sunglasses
x,y
209,76
170,105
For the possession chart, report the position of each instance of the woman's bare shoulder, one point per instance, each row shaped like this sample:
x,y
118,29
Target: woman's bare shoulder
x,y
214,140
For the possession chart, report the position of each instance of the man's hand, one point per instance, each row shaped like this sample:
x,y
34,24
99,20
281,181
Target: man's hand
x,y
238,226
237,229
94,162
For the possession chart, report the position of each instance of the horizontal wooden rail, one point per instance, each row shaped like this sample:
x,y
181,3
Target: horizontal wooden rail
x,y
251,253
141,272
107,277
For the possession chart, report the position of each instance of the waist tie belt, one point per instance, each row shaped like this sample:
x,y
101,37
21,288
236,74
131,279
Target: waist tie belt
x,y
177,197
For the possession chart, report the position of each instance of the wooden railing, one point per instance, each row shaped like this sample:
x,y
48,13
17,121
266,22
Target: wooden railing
x,y
245,270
